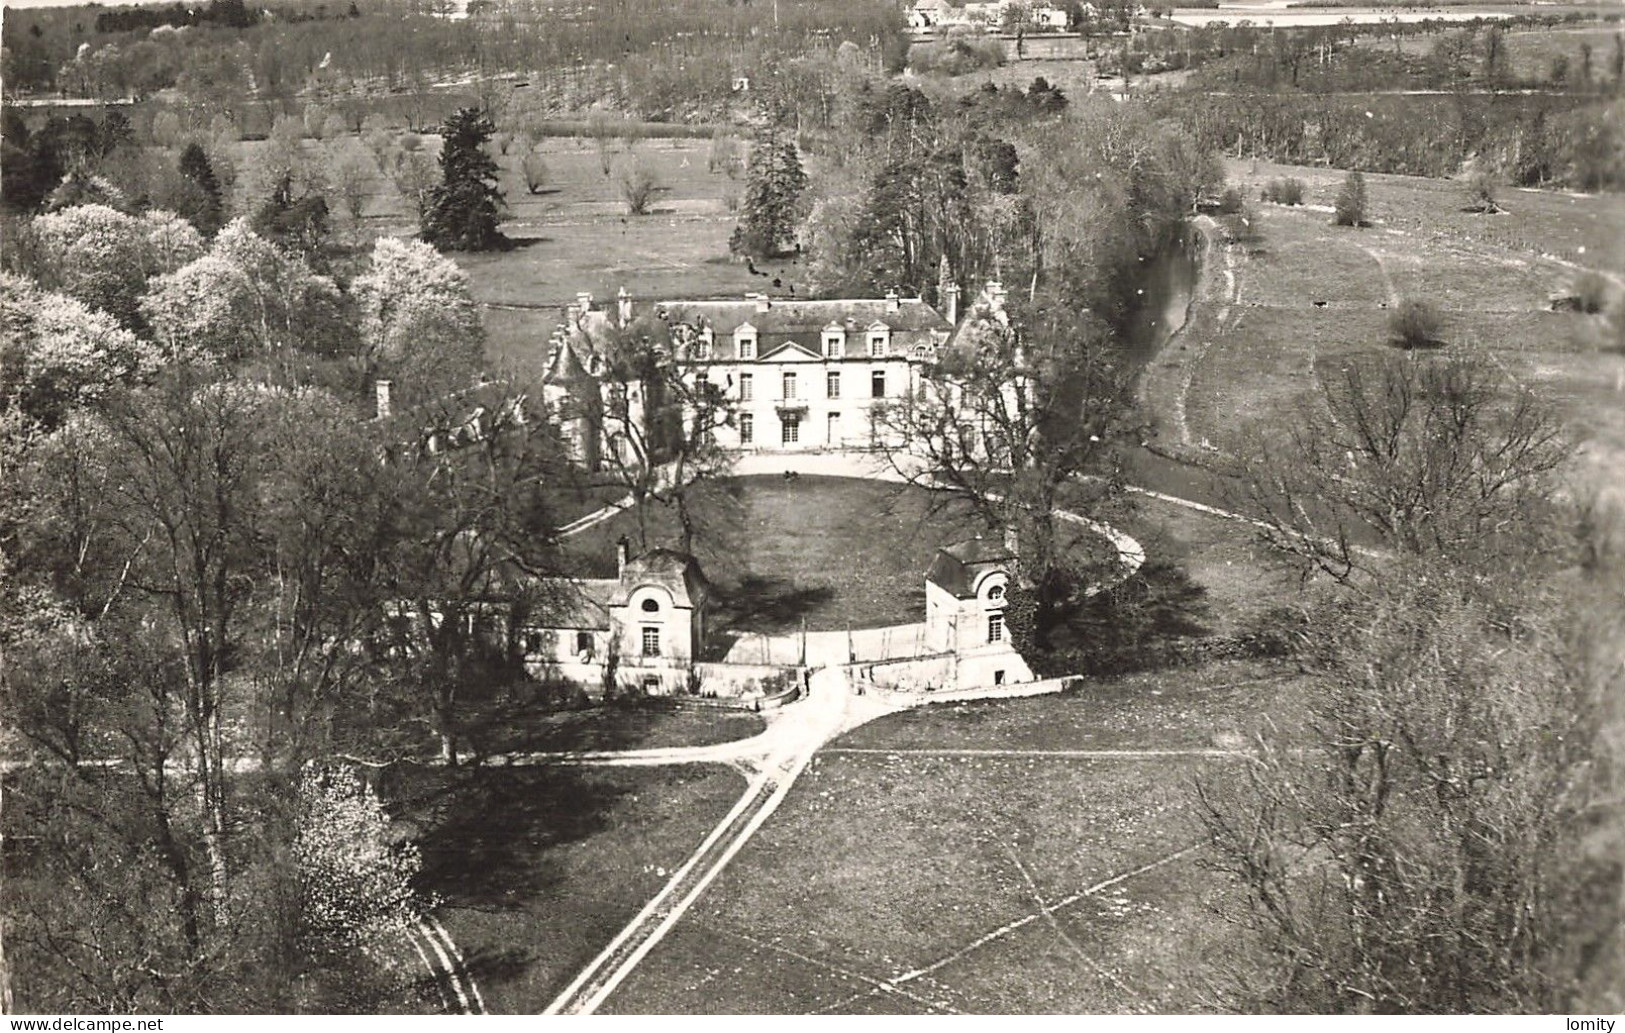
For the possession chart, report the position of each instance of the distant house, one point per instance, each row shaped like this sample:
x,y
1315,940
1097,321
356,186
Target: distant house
x,y
926,14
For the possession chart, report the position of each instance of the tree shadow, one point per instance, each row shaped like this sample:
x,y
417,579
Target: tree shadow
x,y
483,833
521,243
1132,625
764,604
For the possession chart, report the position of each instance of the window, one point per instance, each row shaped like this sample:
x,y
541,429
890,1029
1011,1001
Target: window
x,y
702,346
747,428
998,677
878,339
995,627
747,387
584,642
745,339
651,685
834,428
834,343
832,384
533,642
789,385
651,641
877,384
995,594
791,428
651,606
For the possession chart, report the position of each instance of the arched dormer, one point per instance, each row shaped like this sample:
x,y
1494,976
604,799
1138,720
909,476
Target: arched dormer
x,y
991,589
878,339
834,341
745,341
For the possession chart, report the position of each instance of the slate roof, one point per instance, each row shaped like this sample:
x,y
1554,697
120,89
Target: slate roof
x,y
802,322
958,567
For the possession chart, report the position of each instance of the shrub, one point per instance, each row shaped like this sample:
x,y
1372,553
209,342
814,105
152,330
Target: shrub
x,y
1352,207
1287,191
1230,201
534,170
1591,291
1481,193
638,186
1415,324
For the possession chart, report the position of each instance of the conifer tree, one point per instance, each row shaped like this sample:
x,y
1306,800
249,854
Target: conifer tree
x,y
463,210
196,169
774,199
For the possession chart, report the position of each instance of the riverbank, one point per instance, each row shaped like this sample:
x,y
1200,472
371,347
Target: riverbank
x,y
1193,313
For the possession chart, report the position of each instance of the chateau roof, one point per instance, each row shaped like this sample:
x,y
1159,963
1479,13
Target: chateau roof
x,y
803,322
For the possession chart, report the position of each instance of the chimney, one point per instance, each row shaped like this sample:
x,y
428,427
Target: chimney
x,y
572,317
762,304
381,396
892,301
1011,545
623,302
623,552
584,302
950,298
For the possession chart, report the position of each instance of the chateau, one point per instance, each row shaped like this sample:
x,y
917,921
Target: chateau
x,y
794,375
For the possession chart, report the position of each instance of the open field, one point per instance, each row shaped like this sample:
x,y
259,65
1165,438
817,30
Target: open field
x,y
1219,705
879,866
1530,52
539,868
1310,295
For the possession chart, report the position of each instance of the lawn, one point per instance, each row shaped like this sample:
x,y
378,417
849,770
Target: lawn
x,y
539,868
880,866
833,551
1219,705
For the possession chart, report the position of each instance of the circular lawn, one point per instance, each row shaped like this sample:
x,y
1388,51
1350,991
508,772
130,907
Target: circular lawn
x,y
835,552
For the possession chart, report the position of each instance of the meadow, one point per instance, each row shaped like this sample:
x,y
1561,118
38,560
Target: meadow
x,y
1309,295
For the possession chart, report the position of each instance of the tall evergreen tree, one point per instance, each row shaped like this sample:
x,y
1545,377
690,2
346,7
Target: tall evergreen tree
x,y
462,212
774,199
197,170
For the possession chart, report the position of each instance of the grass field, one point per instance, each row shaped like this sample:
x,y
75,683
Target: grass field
x,y
879,866
1492,276
539,868
1220,705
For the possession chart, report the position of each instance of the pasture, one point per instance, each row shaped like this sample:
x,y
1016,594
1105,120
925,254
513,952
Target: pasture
x,y
1309,295
910,881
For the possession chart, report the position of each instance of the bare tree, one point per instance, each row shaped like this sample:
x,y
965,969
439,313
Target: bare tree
x,y
1418,845
1416,454
1011,418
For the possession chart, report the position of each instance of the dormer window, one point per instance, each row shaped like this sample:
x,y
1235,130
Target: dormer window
x,y
879,341
702,347
745,341
995,594
834,341
651,606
